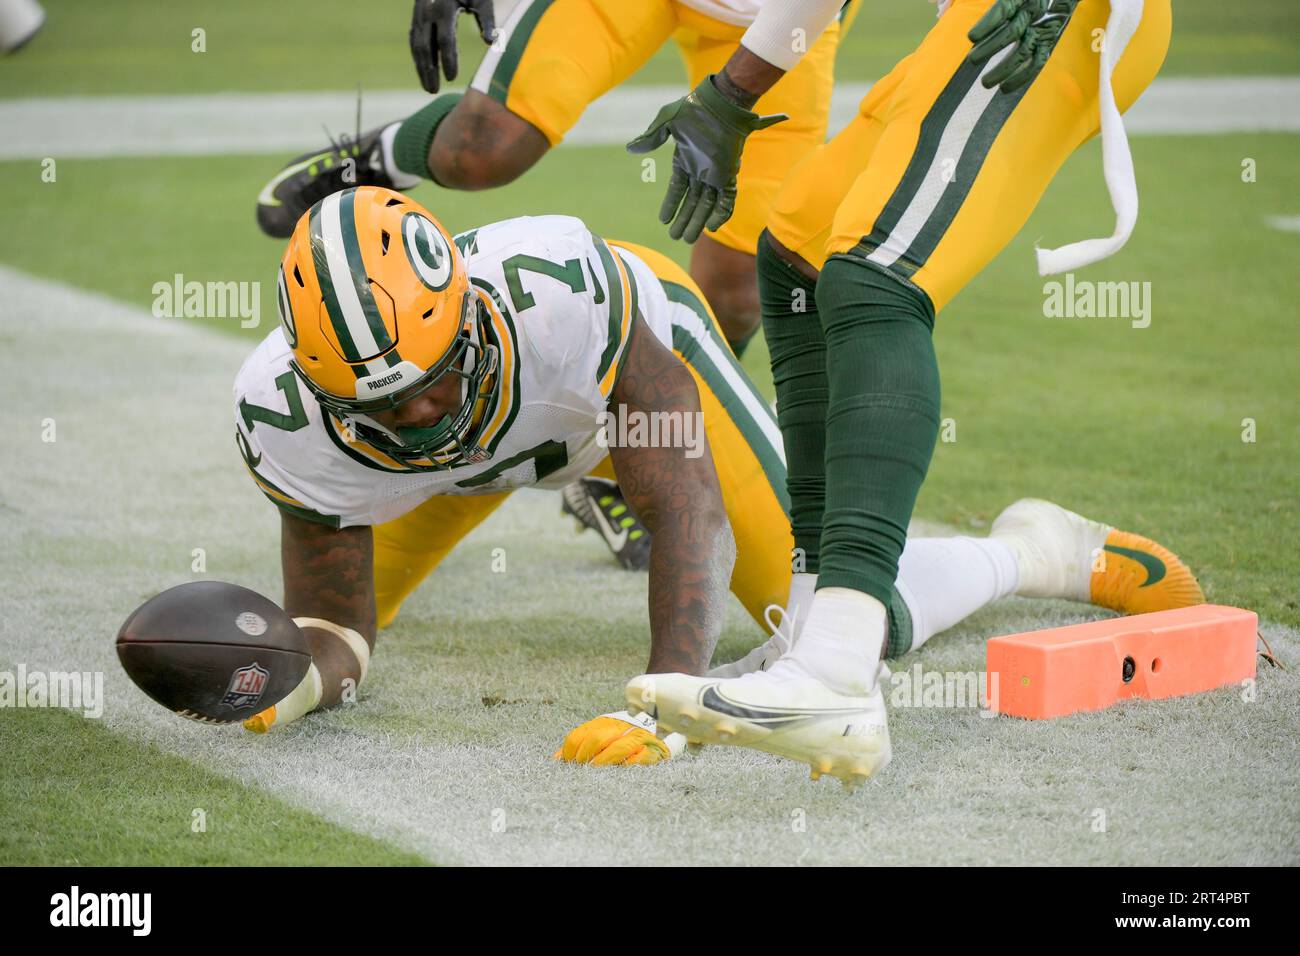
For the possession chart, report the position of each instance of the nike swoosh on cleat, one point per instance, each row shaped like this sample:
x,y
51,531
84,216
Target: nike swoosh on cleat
x,y
616,540
267,196
766,715
1155,568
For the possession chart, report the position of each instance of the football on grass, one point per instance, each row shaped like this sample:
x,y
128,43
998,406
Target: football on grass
x,y
213,651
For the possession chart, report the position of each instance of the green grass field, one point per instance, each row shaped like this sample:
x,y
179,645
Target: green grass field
x,y
467,698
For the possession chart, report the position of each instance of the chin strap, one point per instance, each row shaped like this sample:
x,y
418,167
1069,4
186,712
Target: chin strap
x,y
360,649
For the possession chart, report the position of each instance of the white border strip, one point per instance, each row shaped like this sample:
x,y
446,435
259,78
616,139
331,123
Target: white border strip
x,y
285,124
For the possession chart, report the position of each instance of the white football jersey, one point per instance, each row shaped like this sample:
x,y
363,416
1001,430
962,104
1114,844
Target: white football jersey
x,y
562,303
738,12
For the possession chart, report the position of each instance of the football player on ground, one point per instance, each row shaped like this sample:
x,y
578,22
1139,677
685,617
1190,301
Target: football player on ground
x,y
548,61
418,379
870,237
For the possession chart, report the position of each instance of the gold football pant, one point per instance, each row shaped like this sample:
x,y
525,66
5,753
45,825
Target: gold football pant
x,y
747,453
936,174
555,57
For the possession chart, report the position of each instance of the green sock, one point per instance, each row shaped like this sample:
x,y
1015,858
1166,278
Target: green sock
x,y
798,351
882,420
415,135
899,640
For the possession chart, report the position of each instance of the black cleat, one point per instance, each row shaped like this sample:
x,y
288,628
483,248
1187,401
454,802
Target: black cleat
x,y
598,504
313,176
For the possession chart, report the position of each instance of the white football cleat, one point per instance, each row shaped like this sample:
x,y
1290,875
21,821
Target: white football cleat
x,y
1055,549
797,718
1064,555
767,653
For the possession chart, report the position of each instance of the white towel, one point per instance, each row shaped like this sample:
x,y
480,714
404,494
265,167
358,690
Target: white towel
x,y
1117,161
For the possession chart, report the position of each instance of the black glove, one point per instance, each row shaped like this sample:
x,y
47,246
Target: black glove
x,y
710,132
433,35
1032,26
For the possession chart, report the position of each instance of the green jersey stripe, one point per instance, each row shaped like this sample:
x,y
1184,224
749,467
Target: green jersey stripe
x,y
720,382
515,390
307,514
615,286
927,144
969,163
516,43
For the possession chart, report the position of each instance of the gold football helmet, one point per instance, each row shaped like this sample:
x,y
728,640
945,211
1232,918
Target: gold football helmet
x,y
376,304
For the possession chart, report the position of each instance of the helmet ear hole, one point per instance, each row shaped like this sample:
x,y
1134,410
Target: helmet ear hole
x,y
384,239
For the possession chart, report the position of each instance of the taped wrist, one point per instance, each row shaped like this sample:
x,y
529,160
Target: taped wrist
x,y
306,697
675,743
357,643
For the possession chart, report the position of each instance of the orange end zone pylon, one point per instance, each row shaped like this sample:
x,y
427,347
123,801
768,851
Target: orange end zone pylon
x,y
1061,670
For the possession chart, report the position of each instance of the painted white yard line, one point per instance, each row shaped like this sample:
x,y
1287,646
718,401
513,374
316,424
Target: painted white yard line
x,y
1284,223
228,123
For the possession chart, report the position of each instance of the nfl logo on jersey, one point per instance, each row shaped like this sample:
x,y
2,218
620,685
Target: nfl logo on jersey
x,y
246,686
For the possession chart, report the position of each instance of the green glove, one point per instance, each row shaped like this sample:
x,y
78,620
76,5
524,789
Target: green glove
x,y
710,132
1032,26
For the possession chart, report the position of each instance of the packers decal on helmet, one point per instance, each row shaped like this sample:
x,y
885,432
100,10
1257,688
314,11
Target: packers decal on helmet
x,y
428,251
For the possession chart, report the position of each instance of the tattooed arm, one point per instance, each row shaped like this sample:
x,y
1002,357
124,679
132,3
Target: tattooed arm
x,y
680,501
329,574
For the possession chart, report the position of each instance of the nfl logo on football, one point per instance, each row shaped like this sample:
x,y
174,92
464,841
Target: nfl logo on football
x,y
246,686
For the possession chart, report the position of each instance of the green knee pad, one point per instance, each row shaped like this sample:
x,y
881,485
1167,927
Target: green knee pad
x,y
415,135
881,422
798,352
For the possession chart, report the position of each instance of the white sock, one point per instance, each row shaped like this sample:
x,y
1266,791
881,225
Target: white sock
x,y
944,580
303,699
401,179
839,644
799,605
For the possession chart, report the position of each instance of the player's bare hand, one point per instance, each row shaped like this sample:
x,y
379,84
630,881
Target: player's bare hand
x,y
433,36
